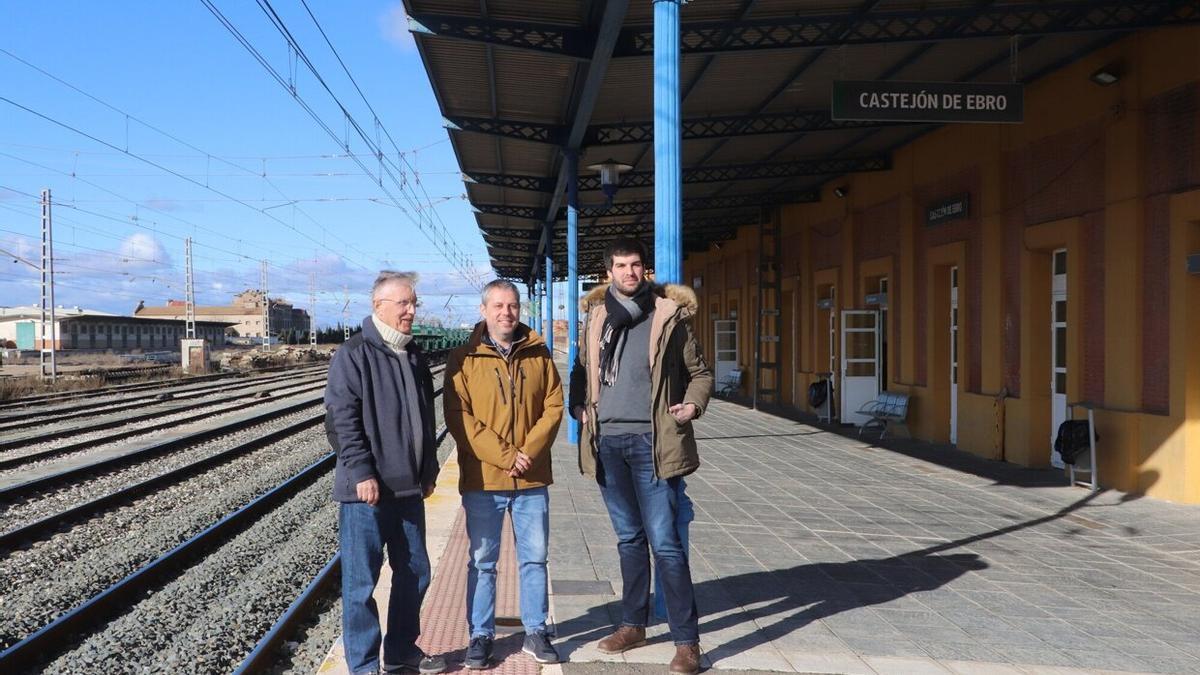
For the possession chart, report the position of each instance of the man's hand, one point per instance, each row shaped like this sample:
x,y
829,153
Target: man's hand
x,y
427,490
683,412
520,465
581,414
368,491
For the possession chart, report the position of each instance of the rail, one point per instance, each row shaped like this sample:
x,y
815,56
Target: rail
x,y
102,607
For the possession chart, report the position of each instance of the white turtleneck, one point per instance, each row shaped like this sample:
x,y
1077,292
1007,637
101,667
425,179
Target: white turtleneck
x,y
391,337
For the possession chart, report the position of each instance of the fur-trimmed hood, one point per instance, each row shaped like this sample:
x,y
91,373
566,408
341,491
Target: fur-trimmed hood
x,y
681,295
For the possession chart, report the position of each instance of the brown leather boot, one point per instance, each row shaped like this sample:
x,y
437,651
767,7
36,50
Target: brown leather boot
x,y
623,639
686,661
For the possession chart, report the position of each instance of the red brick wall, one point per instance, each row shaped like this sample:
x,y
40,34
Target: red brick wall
x,y
1171,137
1059,176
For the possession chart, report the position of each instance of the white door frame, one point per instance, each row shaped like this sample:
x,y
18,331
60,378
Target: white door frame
x,y
1058,352
858,389
722,364
954,355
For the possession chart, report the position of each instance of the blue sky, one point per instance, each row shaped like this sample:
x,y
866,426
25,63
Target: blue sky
x,y
261,179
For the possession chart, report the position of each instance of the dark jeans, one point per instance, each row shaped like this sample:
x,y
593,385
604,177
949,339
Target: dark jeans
x,y
363,532
643,510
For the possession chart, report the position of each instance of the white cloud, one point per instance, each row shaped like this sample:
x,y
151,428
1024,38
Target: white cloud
x,y
394,25
143,251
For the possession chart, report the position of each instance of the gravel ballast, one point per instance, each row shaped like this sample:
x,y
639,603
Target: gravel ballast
x,y
208,619
52,576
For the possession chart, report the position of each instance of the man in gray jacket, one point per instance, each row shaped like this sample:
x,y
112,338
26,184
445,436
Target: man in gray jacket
x,y
379,419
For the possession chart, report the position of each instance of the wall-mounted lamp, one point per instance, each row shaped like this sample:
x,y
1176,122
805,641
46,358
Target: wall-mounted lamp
x,y
610,177
1107,75
841,191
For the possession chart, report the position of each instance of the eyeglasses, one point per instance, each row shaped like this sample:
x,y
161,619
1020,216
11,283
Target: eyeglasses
x,y
404,304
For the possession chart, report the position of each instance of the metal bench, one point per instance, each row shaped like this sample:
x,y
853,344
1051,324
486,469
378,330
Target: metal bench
x,y
731,383
890,409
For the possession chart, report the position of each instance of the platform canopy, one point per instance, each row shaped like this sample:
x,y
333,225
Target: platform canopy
x,y
521,81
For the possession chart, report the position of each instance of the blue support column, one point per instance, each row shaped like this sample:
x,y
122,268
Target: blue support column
x,y
572,160
668,174
668,192
548,334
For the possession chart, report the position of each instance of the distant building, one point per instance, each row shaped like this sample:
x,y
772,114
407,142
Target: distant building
x,y
77,328
244,313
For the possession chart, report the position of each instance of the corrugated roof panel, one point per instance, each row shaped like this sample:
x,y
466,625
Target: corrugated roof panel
x,y
737,84
627,93
451,7
531,86
557,12
485,194
528,159
477,153
948,62
642,13
459,72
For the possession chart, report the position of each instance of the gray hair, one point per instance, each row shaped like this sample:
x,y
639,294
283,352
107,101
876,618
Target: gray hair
x,y
503,284
393,277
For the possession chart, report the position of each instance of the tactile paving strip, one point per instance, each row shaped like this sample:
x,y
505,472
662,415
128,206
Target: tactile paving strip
x,y
443,616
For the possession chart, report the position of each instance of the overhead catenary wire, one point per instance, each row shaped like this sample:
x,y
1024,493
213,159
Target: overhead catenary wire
x,y
460,261
171,171
125,152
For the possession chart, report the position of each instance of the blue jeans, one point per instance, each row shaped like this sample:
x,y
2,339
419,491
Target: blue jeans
x,y
363,532
644,510
530,511
683,519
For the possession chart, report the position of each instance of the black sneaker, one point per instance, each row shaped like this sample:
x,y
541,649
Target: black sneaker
x,y
418,663
479,653
538,646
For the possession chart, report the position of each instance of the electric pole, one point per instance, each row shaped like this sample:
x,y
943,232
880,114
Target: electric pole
x,y
266,310
49,364
189,292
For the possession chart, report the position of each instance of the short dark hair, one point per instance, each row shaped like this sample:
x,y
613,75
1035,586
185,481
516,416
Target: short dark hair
x,y
625,246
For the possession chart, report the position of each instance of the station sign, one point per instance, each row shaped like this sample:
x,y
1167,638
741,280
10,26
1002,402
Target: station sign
x,y
885,101
954,208
1193,263
875,300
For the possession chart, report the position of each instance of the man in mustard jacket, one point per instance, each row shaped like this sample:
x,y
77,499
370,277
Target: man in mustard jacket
x,y
504,403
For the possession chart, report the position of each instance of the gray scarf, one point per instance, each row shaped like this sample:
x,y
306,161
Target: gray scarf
x,y
622,313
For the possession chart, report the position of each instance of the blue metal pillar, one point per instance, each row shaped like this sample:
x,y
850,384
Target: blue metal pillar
x,y
572,160
668,187
668,176
548,334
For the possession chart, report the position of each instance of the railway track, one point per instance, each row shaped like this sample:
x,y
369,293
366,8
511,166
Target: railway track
x,y
230,405
24,416
100,421
27,401
290,527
